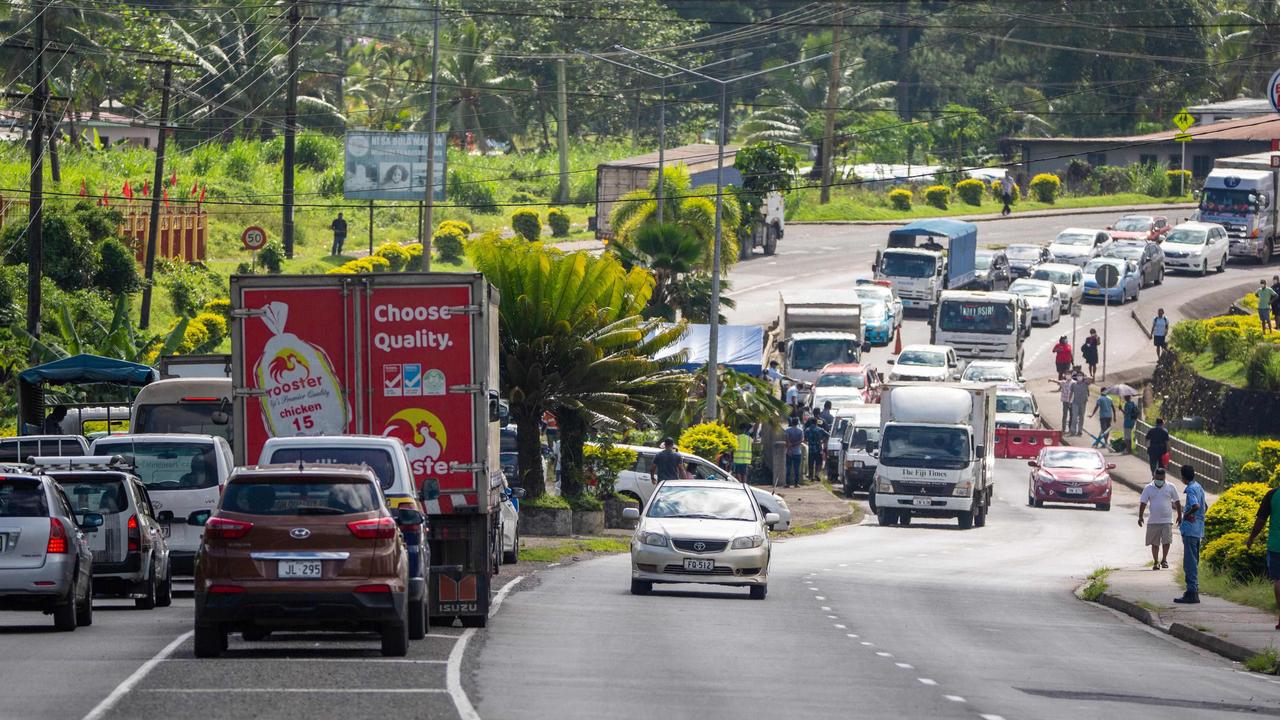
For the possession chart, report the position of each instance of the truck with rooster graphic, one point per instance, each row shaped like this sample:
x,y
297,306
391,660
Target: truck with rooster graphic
x,y
410,356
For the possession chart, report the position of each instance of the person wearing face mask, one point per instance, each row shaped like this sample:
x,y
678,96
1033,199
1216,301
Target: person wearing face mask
x,y
1165,506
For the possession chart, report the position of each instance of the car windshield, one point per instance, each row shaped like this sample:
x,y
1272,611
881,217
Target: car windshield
x,y
1092,267
168,465
1023,252
197,418
1134,224
339,496
813,354
101,494
1061,277
913,266
874,294
982,261
921,446
1219,200
22,497
926,358
683,501
976,317
989,373
18,449
1076,239
874,311
1183,236
1031,289
1014,404
1076,459
842,380
861,435
1131,252
377,459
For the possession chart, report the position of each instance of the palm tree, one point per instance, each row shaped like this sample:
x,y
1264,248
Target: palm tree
x,y
475,97
572,341
692,208
744,400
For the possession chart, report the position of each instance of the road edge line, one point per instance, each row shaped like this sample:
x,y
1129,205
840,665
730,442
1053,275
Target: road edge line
x,y
109,702
453,673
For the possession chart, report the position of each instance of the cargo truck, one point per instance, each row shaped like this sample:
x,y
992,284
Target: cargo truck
x,y
937,452
920,268
405,355
815,329
1241,194
982,325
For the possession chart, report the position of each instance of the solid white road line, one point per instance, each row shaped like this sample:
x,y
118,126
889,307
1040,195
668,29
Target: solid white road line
x,y
109,702
453,676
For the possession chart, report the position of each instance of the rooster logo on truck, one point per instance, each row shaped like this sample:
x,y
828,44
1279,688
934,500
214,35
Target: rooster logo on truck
x,y
285,367
424,438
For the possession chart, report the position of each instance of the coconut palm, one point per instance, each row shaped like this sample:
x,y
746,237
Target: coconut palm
x,y
474,96
692,208
792,111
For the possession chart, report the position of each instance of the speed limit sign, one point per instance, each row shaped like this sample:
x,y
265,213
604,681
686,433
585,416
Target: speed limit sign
x,y
254,238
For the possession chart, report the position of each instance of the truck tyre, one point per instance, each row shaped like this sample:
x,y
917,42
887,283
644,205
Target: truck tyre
x,y
759,591
395,639
771,240
904,517
966,519
848,489
210,640
980,516
417,619
886,516
641,587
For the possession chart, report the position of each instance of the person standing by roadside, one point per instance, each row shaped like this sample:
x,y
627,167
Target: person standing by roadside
x,y
666,464
1079,400
1275,301
1266,297
1159,329
744,453
1064,394
1157,445
825,419
1267,509
816,438
1192,528
339,228
1105,409
1089,350
1062,357
1131,413
1007,188
792,397
1165,506
795,438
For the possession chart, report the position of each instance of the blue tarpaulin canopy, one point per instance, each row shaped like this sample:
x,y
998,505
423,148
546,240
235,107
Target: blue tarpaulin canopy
x,y
962,244
81,369
741,348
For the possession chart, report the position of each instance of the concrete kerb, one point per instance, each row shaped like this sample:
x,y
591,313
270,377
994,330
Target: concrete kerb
x,y
989,217
1177,630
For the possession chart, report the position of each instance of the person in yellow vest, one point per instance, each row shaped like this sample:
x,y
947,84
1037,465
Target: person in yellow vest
x,y
744,453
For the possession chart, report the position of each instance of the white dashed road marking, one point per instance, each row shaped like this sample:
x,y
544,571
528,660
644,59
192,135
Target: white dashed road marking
x,y
927,681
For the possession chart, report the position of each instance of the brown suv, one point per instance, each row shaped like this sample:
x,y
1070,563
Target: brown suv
x,y
302,546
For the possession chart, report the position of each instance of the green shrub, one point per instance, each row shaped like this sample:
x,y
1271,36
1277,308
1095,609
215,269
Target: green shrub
x,y
318,152
1179,176
1268,454
245,268
189,286
523,198
558,221
1223,342
394,254
900,199
526,224
1112,179
1189,337
271,257
448,243
1234,511
1254,472
193,338
414,263
218,306
117,268
583,191
1148,179
937,196
240,161
1214,553
475,194
970,191
585,502
604,463
707,440
1246,563
547,502
330,182
377,264
1262,367
463,227
1045,187
214,324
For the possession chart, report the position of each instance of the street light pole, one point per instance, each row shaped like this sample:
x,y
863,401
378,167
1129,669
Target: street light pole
x,y
713,351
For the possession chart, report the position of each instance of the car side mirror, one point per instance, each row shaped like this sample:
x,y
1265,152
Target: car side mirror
x,y
1033,463
890,360
409,516
165,516
980,451
866,347
199,518
1111,466
782,346
771,519
91,522
220,417
517,492
871,446
630,513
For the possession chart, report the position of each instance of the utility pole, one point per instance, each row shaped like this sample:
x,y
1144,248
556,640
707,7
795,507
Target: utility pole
x,y
290,127
429,207
829,119
157,179
562,130
35,200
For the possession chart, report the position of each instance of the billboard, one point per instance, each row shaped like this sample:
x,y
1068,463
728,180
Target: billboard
x,y
390,165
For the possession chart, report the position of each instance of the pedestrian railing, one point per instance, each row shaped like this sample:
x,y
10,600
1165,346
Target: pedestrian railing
x,y
1208,465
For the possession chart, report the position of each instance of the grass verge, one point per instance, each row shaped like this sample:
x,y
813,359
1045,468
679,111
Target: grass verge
x,y
1255,593
570,548
814,528
864,205
1097,584
1264,662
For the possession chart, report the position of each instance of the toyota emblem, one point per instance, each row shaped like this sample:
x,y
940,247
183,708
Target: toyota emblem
x,y
699,546
300,533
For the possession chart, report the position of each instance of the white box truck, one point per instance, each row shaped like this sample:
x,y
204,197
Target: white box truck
x,y
1240,194
937,452
982,325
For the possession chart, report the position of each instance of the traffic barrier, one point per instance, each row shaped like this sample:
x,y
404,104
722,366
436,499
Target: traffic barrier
x,y
1019,443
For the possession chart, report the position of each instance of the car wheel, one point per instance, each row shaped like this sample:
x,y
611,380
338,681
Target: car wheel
x,y
417,619
84,613
848,489
1031,500
1104,507
1204,268
254,634
148,601
395,639
771,241
758,592
513,555
164,594
1222,264
641,587
210,639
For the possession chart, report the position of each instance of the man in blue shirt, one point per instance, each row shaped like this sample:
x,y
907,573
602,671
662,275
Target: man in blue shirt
x,y
1192,529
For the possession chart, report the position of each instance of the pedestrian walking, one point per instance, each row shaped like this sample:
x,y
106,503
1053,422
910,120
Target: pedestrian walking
x,y
1079,400
1157,445
1159,330
1266,297
1191,526
744,453
666,464
1064,394
816,438
1105,408
1063,356
1267,509
1165,506
1089,350
1131,413
339,228
1007,189
795,439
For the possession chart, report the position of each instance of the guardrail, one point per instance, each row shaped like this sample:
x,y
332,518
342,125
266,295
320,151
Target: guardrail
x,y
1208,465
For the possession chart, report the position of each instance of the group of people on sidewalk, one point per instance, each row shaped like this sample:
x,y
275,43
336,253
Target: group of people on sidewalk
x,y
1166,509
1074,393
1268,303
812,438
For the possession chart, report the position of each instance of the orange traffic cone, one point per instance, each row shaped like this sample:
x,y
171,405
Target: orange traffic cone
x,y
897,341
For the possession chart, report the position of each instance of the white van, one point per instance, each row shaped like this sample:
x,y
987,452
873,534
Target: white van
x,y
184,405
183,474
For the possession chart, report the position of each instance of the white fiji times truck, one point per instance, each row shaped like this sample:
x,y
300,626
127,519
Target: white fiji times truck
x,y
1240,194
818,328
920,268
982,325
937,457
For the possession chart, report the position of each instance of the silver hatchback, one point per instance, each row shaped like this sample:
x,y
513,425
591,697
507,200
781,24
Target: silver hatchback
x,y
46,561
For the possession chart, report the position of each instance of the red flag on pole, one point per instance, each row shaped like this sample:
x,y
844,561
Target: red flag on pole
x,y
127,191
173,179
195,187
146,188
202,189
84,189
104,202
166,197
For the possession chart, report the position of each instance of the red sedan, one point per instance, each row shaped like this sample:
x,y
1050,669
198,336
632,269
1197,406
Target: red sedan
x,y
1151,228
1070,475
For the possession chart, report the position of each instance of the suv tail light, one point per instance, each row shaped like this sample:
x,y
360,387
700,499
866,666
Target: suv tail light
x,y
57,538
226,528
381,528
135,534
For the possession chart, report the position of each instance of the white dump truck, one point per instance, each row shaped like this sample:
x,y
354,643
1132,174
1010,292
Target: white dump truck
x,y
1241,194
816,329
937,452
